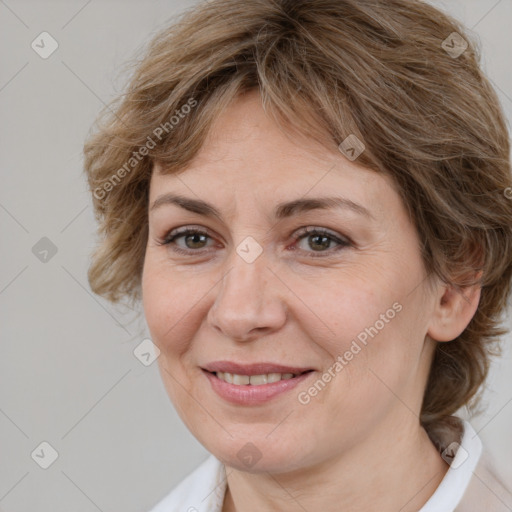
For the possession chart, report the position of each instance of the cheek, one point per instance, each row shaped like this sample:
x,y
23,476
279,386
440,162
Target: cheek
x,y
369,323
348,308
168,307
381,362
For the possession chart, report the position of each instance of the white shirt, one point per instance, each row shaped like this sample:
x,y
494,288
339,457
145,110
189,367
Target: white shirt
x,y
469,485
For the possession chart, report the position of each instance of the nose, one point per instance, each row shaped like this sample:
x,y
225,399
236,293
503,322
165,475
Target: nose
x,y
248,304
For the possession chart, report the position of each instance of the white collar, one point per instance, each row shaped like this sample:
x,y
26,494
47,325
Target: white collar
x,y
451,489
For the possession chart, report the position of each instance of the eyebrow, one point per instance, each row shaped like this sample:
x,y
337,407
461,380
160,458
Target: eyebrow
x,y
282,210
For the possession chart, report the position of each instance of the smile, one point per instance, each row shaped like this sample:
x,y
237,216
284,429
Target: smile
x,y
253,387
253,380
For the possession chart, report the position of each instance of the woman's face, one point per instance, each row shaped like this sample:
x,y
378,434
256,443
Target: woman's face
x,y
347,307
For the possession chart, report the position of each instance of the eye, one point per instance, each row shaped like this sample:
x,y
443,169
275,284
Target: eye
x,y
320,239
195,240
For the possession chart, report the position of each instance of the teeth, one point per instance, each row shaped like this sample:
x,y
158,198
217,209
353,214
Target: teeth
x,y
254,380
257,380
240,379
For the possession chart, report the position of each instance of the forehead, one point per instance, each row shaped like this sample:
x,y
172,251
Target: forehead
x,y
245,134
249,155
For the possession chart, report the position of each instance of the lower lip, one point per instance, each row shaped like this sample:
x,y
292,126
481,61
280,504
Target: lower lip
x,y
252,395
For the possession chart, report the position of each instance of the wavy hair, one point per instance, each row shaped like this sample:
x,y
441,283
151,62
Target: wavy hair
x,y
384,70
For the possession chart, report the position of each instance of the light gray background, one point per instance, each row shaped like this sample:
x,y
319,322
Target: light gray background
x,y
68,373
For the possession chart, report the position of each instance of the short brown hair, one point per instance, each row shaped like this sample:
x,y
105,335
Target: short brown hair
x,y
330,68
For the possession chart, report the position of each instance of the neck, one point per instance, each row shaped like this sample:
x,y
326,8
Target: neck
x,y
389,472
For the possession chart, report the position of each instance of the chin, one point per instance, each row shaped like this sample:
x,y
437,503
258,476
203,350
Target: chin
x,y
260,453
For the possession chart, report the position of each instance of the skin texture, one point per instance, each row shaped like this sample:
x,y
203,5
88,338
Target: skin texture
x,y
357,444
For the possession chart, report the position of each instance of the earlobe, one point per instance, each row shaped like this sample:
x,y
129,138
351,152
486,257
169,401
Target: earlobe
x,y
454,309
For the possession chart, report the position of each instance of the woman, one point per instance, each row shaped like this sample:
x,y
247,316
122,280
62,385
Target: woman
x,y
310,199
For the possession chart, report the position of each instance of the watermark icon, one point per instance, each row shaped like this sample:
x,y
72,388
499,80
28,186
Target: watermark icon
x,y
146,352
248,249
343,360
352,147
508,192
101,191
454,455
454,45
44,45
44,250
249,455
44,455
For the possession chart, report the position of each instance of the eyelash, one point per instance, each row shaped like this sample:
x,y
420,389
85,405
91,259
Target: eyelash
x,y
344,242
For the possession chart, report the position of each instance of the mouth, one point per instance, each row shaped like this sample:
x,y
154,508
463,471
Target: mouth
x,y
256,380
255,383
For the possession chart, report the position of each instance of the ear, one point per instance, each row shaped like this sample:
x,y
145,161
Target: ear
x,y
453,310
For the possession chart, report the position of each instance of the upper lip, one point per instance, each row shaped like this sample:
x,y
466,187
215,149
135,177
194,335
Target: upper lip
x,y
253,368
